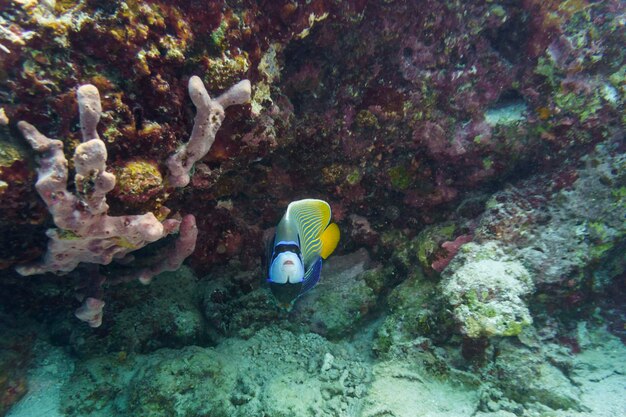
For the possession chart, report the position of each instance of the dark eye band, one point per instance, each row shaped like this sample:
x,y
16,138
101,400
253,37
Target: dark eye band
x,y
286,248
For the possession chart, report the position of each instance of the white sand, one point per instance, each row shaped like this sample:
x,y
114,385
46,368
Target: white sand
x,y
51,369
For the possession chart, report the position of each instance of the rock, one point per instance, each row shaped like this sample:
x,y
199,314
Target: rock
x,y
144,318
340,300
527,377
269,374
486,290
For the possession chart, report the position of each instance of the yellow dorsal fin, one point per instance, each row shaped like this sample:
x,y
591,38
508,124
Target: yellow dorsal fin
x,y
330,239
312,217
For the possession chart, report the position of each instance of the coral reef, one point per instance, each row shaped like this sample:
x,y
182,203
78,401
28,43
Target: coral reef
x,y
438,104
487,292
447,98
506,305
560,233
235,379
540,235
473,156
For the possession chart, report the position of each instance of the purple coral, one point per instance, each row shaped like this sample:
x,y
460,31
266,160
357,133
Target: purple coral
x,y
209,118
85,233
171,260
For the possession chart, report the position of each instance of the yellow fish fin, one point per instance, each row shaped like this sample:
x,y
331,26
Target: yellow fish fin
x,y
312,217
330,239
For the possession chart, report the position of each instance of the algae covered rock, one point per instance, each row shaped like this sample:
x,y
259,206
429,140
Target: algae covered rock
x,y
274,373
234,305
571,238
416,314
486,289
341,299
423,249
144,318
534,379
173,382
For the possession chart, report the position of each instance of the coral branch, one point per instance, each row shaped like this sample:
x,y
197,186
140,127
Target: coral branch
x,y
173,258
85,232
89,109
91,312
209,118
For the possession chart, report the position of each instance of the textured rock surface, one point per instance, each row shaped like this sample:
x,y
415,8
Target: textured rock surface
x,y
400,389
487,290
349,288
146,318
336,306
274,373
559,234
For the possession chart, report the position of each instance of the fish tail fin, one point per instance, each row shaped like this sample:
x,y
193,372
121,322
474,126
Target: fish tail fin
x,y
330,240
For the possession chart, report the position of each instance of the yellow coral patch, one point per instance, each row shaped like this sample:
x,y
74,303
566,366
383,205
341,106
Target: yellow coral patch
x,y
137,177
124,243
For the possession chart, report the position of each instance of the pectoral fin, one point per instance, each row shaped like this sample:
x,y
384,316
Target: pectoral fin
x,y
312,276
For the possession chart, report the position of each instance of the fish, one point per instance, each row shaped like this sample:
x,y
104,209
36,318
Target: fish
x,y
304,237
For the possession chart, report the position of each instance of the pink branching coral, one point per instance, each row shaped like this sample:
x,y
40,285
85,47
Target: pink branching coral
x,y
85,232
209,118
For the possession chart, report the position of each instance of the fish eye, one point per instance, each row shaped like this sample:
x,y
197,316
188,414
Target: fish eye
x,y
287,248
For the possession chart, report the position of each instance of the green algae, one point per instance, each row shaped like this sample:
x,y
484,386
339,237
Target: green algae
x,y
414,313
367,120
429,240
583,106
400,177
218,37
354,177
9,153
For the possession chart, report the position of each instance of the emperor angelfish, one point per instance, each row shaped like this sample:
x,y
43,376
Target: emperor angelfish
x,y
304,236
